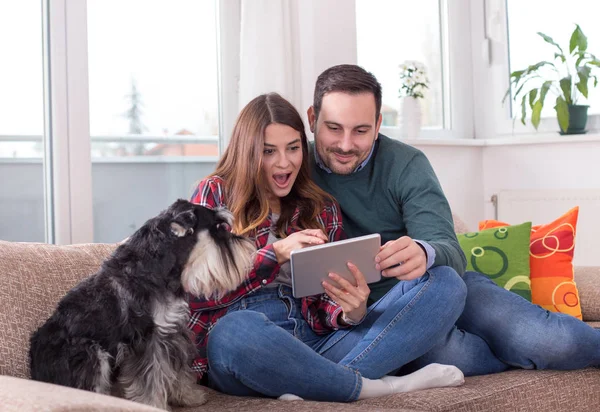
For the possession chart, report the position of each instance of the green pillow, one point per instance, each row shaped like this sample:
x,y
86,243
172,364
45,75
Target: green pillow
x,y
502,254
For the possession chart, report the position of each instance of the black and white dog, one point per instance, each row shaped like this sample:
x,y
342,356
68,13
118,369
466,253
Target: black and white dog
x,y
123,331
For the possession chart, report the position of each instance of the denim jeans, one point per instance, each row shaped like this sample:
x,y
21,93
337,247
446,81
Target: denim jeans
x,y
263,345
499,330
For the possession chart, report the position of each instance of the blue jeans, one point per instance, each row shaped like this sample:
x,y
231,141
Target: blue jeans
x,y
263,345
499,330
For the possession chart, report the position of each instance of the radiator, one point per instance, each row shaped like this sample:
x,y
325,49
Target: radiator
x,y
544,206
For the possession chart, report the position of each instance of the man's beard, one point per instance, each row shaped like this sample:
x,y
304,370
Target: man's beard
x,y
332,164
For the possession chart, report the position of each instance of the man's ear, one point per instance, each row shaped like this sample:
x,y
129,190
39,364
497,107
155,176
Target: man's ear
x,y
183,223
378,125
311,118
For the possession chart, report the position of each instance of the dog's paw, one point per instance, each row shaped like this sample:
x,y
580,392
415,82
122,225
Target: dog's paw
x,y
289,397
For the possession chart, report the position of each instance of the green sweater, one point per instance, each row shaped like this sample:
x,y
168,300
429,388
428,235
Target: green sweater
x,y
396,194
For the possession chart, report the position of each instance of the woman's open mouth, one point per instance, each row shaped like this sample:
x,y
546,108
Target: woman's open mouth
x,y
282,180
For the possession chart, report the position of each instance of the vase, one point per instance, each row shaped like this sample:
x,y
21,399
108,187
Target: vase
x,y
411,118
577,119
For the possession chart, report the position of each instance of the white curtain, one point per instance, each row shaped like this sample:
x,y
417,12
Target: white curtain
x,y
269,50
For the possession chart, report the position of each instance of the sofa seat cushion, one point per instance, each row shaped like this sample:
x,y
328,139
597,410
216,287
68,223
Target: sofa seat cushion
x,y
26,395
508,391
33,278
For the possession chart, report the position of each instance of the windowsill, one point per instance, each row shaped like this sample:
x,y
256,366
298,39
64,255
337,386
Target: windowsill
x,y
524,139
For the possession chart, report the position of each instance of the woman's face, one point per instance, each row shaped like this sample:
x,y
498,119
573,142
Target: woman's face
x,y
282,158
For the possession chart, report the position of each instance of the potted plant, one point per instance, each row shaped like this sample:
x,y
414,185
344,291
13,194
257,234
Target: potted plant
x,y
567,77
413,81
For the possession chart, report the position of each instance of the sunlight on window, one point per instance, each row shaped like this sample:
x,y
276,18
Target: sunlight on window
x,y
554,19
390,32
153,78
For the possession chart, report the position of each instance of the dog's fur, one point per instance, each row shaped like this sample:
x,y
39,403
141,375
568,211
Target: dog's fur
x,y
123,331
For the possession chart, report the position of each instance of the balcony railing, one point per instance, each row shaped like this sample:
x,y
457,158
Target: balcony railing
x,y
126,190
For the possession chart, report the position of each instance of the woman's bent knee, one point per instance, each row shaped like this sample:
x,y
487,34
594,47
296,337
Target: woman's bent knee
x,y
232,331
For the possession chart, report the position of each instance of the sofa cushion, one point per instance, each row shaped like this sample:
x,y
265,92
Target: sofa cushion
x,y
501,254
26,395
551,263
34,276
588,284
459,225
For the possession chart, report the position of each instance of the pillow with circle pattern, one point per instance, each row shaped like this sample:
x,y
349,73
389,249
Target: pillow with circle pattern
x,y
502,254
552,247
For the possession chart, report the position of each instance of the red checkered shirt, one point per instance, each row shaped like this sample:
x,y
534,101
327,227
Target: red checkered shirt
x,y
320,311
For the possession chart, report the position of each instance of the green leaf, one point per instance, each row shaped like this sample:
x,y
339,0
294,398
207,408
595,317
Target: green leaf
x,y
578,39
517,74
562,113
537,113
544,89
582,84
548,39
565,85
560,56
523,109
594,62
532,96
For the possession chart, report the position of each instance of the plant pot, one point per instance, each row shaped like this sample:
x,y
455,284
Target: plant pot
x,y
411,118
577,119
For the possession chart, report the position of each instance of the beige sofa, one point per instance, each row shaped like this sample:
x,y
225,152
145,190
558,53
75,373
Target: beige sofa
x,y
34,276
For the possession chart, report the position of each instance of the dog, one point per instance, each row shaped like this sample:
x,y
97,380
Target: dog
x,y
123,331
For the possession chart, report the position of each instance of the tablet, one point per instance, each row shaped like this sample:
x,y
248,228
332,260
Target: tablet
x,y
311,265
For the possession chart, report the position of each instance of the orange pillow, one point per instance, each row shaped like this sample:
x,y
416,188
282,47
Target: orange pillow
x,y
551,252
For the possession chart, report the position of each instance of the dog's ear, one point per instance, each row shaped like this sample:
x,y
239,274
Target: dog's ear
x,y
183,223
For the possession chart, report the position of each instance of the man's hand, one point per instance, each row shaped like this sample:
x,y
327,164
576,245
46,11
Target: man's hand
x,y
352,299
402,258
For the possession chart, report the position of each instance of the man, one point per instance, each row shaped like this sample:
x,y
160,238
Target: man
x,y
388,187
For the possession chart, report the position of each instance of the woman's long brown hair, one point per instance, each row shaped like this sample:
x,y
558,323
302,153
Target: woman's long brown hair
x,y
241,169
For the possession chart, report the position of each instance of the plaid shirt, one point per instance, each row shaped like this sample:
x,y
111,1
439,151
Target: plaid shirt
x,y
320,311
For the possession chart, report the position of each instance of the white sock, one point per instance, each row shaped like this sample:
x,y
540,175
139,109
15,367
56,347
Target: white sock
x,y
374,388
290,397
434,375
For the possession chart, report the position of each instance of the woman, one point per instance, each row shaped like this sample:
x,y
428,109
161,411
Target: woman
x,y
266,342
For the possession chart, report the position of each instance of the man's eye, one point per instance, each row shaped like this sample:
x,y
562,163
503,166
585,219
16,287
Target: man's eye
x,y
333,128
361,131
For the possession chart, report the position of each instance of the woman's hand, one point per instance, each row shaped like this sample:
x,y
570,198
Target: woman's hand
x,y
352,299
298,240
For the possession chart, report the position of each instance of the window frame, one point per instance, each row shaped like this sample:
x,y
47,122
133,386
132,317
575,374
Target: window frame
x,y
457,92
491,64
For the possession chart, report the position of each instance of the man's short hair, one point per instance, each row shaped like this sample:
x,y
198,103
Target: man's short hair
x,y
346,78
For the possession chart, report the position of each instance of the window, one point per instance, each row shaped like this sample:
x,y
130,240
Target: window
x,y
153,96
552,18
21,122
387,35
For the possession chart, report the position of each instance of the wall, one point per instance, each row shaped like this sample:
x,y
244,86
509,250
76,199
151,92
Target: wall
x,y
560,165
459,170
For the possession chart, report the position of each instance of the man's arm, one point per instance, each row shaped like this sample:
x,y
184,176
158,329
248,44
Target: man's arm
x,y
427,214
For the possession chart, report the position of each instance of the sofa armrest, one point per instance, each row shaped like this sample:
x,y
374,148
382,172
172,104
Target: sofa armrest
x,y
20,395
588,285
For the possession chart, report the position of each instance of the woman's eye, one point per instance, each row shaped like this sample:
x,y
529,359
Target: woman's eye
x,y
294,148
268,151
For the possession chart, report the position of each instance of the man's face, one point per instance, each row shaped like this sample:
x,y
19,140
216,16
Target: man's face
x,y
345,130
